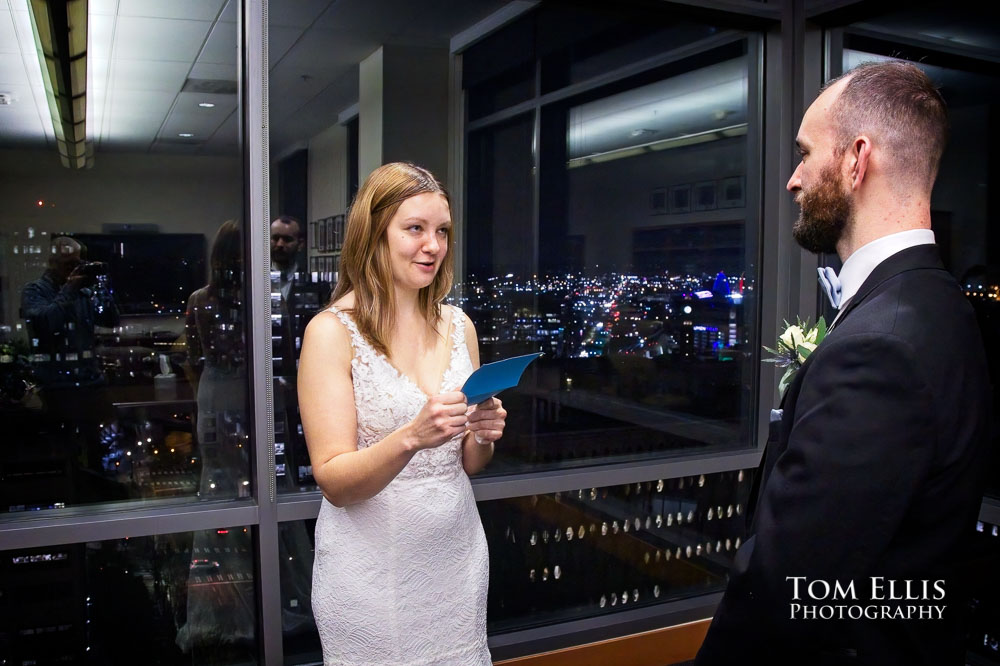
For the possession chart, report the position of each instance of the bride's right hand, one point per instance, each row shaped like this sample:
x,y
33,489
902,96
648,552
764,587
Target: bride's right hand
x,y
442,417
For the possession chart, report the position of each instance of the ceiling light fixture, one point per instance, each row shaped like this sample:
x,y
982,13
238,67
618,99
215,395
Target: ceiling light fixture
x,y
206,105
185,135
60,30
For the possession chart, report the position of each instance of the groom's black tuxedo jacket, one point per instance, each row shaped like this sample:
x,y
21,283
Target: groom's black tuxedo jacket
x,y
875,469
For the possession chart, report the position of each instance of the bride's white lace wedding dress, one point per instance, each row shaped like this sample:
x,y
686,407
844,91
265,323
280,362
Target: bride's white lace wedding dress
x,y
401,578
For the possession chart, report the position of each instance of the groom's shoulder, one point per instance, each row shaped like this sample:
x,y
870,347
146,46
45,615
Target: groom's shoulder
x,y
926,308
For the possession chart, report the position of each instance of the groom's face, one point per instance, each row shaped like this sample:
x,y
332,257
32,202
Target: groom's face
x,y
819,183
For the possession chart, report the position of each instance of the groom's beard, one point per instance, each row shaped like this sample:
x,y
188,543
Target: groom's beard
x,y
824,212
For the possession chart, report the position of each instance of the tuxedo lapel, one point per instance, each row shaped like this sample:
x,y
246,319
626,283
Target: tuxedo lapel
x,y
912,258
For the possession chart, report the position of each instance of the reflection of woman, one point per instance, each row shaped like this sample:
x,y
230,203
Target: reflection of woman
x,y
401,566
216,353
220,606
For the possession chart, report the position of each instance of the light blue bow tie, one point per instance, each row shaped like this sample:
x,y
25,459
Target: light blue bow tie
x,y
831,285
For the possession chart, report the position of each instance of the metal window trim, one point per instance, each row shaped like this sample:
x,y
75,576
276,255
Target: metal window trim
x,y
603,627
257,181
34,532
756,115
306,505
562,480
964,52
715,41
486,27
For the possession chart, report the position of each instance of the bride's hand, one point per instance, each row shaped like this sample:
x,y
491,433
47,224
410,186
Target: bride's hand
x,y
442,417
487,421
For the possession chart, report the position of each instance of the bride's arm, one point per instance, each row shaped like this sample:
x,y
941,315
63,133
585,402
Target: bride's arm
x,y
329,420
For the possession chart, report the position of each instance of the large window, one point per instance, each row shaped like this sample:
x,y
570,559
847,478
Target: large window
x,y
611,226
185,598
122,301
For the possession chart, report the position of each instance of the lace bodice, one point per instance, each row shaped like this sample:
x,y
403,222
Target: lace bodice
x,y
385,399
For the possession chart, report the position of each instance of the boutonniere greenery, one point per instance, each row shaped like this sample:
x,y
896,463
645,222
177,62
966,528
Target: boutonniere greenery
x,y
794,346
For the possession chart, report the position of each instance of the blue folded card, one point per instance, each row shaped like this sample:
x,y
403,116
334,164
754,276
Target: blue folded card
x,y
494,377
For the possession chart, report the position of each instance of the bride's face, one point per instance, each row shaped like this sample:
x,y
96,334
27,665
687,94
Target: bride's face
x,y
417,239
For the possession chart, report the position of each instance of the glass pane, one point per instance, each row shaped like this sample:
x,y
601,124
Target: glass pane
x,y
297,547
185,598
638,280
967,192
984,612
500,71
122,306
587,552
348,88
578,43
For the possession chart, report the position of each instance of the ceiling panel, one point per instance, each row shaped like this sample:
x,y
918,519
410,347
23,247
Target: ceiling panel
x,y
229,12
220,49
320,51
296,13
20,120
279,40
130,132
213,72
372,20
138,38
199,10
8,36
187,117
321,111
25,35
149,75
102,7
225,138
12,71
101,30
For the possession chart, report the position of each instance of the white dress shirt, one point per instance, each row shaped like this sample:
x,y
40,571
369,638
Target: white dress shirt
x,y
860,265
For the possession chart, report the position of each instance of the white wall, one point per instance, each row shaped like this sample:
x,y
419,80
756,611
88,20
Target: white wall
x,y
328,173
179,193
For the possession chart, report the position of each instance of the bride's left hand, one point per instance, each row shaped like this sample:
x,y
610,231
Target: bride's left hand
x,y
487,420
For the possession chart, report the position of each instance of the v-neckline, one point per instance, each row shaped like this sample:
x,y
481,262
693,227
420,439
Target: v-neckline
x,y
444,374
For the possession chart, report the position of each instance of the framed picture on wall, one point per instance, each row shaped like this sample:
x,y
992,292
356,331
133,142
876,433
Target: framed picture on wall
x,y
704,195
680,198
731,193
658,201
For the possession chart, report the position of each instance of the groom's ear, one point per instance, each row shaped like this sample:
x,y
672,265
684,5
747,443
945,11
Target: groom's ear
x,y
858,155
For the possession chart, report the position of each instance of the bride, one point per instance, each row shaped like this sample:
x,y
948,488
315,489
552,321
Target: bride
x,y
401,566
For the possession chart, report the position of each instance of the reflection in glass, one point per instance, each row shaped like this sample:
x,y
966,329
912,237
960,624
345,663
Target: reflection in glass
x,y
636,279
184,598
984,607
537,581
300,637
100,382
962,208
217,360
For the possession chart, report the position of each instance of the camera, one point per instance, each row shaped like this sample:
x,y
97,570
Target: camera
x,y
91,269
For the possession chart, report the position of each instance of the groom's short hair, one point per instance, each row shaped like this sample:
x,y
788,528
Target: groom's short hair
x,y
899,108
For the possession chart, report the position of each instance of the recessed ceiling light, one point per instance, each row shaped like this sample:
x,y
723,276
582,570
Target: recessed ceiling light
x,y
206,105
186,135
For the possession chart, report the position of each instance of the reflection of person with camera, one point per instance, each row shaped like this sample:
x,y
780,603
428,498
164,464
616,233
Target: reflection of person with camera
x,y
295,298
61,310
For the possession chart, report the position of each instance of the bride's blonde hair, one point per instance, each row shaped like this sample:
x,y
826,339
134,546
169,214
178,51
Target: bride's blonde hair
x,y
365,268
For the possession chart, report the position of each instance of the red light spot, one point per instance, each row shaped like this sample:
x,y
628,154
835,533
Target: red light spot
x,y
40,203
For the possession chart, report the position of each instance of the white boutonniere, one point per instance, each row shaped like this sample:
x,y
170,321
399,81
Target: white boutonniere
x,y
794,346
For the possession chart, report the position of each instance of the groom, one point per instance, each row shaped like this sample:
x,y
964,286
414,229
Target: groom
x,y
873,476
